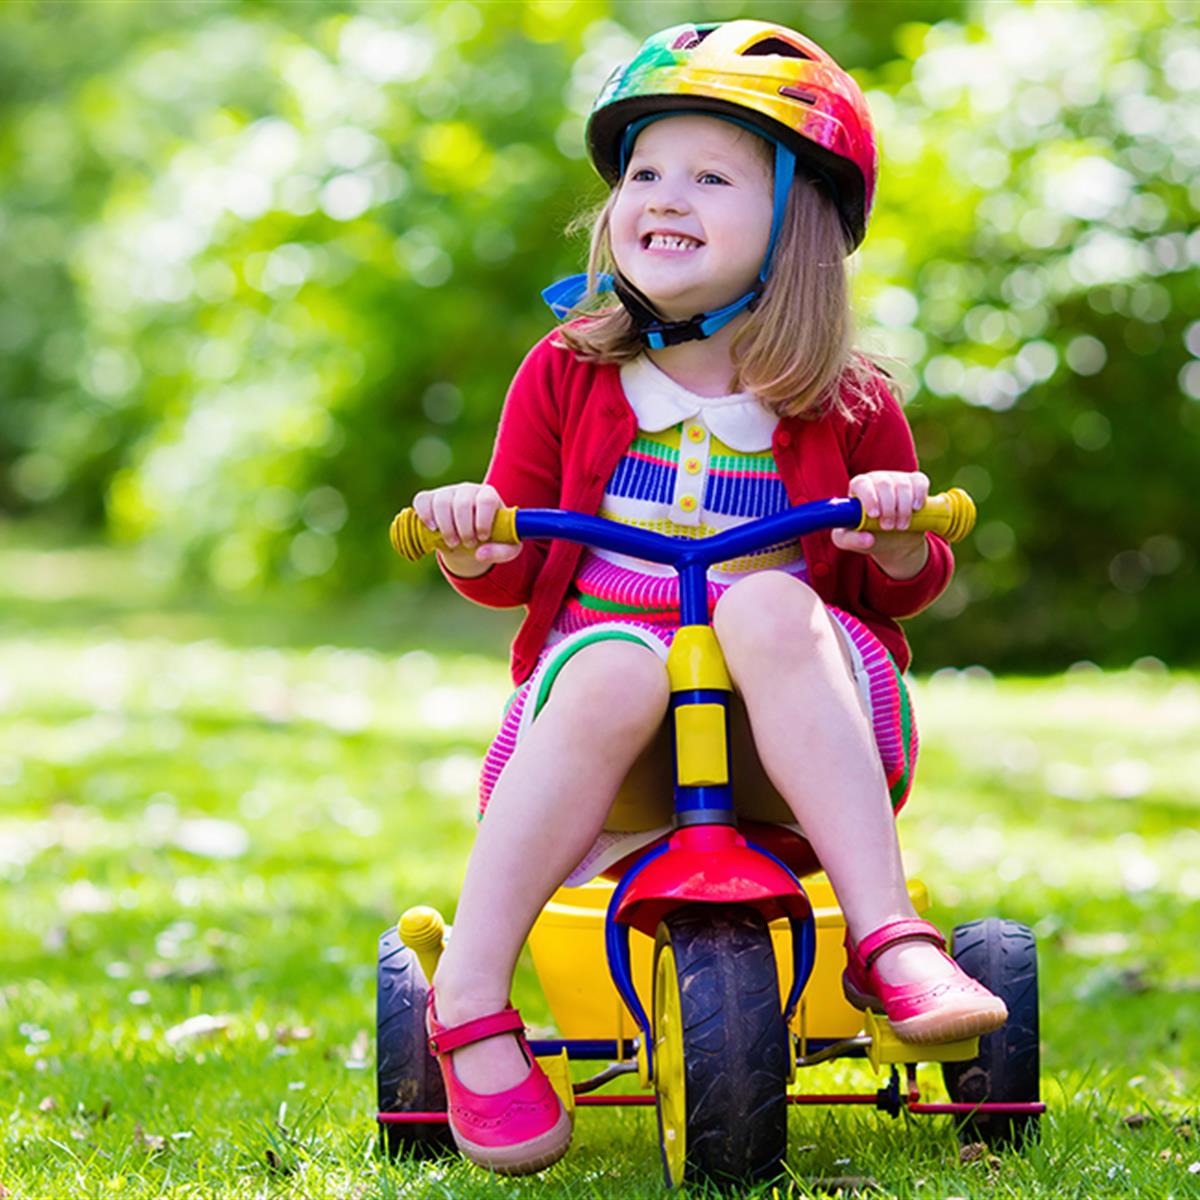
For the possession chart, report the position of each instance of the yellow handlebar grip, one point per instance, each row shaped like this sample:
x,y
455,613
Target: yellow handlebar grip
x,y
423,931
952,514
413,539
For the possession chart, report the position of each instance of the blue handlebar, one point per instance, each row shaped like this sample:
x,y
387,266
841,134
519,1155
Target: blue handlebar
x,y
681,552
691,557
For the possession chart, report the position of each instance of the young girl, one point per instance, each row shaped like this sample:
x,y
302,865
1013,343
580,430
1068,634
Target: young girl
x,y
720,386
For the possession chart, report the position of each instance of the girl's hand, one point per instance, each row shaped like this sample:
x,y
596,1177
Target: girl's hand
x,y
463,514
892,496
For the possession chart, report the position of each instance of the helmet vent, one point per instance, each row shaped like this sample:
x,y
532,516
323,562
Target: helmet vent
x,y
795,93
775,45
689,39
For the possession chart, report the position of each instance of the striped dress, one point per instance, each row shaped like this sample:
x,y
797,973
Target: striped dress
x,y
698,466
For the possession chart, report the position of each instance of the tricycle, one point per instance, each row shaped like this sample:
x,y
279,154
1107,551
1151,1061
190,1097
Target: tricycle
x,y
732,984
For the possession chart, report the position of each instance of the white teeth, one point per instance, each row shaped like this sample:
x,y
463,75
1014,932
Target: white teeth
x,y
670,241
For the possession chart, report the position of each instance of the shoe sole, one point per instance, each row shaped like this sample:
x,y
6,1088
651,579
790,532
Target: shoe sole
x,y
524,1158
937,1027
932,1028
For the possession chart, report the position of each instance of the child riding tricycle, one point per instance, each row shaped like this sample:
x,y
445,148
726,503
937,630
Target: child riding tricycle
x,y
702,621
733,927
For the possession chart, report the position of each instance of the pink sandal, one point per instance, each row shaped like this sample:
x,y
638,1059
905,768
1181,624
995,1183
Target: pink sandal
x,y
939,1010
515,1132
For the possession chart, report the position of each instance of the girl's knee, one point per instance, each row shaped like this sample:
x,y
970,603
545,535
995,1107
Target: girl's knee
x,y
769,611
618,685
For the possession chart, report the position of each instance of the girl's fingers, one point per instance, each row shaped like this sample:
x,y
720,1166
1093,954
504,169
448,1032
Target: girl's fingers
x,y
443,515
891,497
487,505
464,515
920,490
886,489
497,552
863,487
903,501
423,507
856,541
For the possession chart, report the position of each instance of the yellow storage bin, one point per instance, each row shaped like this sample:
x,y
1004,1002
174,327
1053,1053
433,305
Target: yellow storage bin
x,y
567,943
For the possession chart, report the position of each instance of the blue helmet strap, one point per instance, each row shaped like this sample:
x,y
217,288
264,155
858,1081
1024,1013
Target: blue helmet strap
x,y
654,330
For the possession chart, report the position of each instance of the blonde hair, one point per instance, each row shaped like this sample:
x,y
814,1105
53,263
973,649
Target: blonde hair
x,y
795,351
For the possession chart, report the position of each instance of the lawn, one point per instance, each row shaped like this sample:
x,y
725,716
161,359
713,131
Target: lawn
x,y
208,812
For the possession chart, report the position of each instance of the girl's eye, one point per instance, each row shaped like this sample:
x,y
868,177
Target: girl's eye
x,y
642,174
711,177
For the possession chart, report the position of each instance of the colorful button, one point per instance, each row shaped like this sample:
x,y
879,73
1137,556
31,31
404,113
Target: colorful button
x,y
696,433
692,466
687,503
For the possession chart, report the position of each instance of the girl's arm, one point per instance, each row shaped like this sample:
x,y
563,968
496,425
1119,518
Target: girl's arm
x,y
885,443
526,470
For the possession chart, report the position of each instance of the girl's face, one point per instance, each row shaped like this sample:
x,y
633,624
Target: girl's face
x,y
692,218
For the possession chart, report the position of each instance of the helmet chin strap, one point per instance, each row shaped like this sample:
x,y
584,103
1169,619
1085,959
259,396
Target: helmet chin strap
x,y
653,328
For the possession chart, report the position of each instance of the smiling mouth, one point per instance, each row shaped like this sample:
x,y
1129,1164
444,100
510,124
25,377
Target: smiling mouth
x,y
670,241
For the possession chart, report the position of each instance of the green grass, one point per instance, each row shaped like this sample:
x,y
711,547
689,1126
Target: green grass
x,y
212,810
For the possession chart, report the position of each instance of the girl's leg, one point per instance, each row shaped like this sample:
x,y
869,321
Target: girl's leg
x,y
545,812
815,742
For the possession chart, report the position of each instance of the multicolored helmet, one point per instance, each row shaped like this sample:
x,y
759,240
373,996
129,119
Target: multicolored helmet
x,y
758,72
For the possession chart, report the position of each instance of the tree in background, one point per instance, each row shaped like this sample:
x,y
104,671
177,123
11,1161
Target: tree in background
x,y
266,270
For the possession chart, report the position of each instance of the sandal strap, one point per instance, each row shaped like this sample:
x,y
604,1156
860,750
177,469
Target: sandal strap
x,y
442,1040
906,930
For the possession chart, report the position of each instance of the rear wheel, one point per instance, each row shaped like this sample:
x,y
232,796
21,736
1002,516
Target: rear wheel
x,y
406,1075
720,1047
1002,955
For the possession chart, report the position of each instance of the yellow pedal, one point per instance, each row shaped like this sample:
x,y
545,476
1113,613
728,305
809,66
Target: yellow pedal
x,y
559,1073
887,1048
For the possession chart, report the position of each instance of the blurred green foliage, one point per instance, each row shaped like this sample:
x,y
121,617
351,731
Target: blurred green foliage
x,y
266,269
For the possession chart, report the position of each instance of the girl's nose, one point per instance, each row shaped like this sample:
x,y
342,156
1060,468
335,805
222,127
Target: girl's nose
x,y
666,199
667,196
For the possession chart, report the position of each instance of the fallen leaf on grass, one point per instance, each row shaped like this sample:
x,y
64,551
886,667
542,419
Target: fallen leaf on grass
x,y
277,1165
201,1026
978,1152
147,1141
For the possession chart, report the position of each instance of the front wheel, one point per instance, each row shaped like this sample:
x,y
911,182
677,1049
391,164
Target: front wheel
x,y
1002,955
720,1046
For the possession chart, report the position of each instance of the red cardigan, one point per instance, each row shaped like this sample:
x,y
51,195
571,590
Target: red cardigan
x,y
565,425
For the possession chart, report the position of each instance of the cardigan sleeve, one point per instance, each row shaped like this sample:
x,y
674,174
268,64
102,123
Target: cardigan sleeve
x,y
526,470
885,443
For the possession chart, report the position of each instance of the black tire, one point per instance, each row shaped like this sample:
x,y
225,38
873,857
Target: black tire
x,y
1002,955
732,1043
406,1074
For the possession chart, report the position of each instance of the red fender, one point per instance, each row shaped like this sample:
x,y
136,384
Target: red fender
x,y
710,864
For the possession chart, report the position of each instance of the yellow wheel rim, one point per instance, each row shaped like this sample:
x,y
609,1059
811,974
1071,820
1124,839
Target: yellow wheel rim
x,y
669,1079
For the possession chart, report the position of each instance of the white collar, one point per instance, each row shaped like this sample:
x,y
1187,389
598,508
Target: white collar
x,y
658,402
